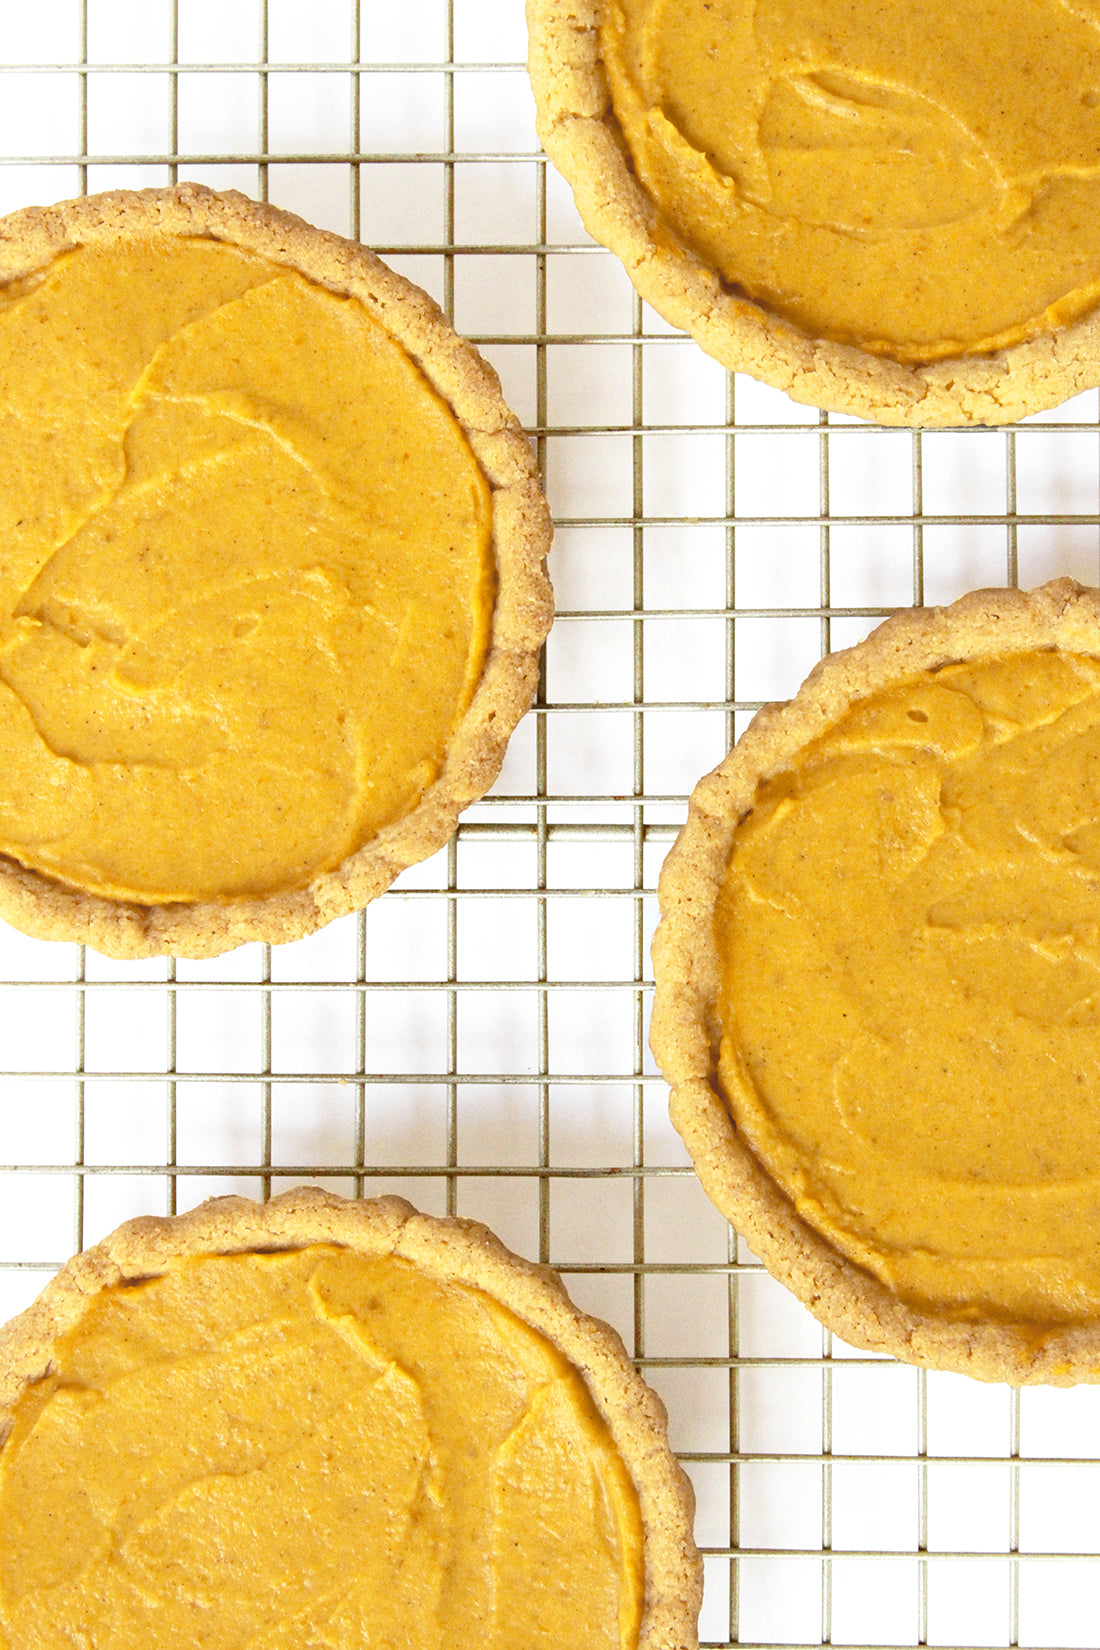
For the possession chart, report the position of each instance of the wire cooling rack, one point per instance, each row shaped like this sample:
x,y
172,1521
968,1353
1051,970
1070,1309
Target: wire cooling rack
x,y
477,1040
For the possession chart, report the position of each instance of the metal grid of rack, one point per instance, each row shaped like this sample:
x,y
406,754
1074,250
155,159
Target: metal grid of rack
x,y
477,1039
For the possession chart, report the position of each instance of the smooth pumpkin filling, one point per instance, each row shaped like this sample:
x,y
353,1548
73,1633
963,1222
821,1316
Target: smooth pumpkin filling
x,y
910,934
313,1447
247,582
917,177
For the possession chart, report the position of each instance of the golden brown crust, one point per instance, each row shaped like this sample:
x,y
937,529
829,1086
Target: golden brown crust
x,y
684,1031
458,1251
521,539
581,136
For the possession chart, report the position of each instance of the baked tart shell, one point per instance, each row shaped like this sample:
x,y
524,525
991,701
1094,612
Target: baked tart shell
x,y
450,1252
993,1343
47,906
582,137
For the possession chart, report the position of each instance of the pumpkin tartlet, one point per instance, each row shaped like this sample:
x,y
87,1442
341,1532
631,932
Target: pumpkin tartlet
x,y
337,1422
886,208
878,987
273,589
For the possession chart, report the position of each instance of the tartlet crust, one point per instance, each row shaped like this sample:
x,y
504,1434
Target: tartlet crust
x,y
685,1031
581,136
49,909
450,1250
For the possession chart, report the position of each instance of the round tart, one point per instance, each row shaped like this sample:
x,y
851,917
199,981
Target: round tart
x,y
878,987
333,1422
887,210
273,590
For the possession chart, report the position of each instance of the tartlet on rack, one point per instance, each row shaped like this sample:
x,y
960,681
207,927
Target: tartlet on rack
x,y
273,590
878,986
335,1421
887,210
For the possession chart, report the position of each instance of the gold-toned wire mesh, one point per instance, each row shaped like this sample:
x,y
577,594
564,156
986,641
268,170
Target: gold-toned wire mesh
x,y
477,1040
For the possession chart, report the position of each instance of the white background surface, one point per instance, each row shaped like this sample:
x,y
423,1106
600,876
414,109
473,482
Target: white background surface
x,y
477,1042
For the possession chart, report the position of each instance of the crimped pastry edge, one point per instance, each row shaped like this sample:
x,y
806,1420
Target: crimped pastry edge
x,y
580,135
684,1031
451,1250
48,908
